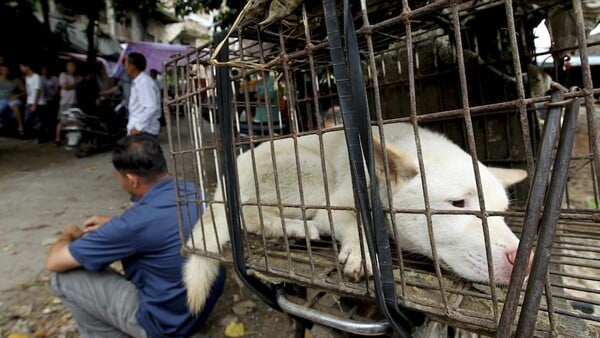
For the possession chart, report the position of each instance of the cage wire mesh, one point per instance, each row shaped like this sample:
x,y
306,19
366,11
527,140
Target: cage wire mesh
x,y
466,69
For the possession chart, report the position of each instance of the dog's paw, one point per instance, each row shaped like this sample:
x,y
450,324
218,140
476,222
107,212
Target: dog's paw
x,y
351,257
297,229
313,230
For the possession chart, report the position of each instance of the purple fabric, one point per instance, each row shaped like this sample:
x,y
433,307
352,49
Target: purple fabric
x,y
156,55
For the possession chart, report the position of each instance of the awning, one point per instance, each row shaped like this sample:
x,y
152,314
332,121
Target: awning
x,y
156,55
75,40
109,66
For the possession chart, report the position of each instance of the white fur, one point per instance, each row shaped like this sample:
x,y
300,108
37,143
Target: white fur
x,y
450,177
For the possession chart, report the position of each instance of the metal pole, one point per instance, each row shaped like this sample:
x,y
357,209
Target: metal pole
x,y
539,269
533,210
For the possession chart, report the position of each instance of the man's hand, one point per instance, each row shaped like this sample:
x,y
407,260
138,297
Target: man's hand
x,y
71,232
93,223
33,108
134,131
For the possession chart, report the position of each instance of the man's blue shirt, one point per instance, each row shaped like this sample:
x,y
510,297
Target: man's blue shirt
x,y
146,240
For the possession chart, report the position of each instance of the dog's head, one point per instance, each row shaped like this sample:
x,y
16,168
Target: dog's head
x,y
451,194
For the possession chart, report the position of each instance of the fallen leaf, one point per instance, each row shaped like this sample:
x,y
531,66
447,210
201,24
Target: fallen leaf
x,y
18,335
41,333
90,168
234,330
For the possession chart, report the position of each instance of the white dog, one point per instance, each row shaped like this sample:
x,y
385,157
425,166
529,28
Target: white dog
x,y
451,186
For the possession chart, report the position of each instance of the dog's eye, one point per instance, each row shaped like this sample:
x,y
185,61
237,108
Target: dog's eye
x,y
459,203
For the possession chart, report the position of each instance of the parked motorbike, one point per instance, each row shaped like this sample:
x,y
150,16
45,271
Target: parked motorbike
x,y
89,133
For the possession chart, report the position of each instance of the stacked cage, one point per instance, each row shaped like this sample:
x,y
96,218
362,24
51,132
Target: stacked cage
x,y
465,69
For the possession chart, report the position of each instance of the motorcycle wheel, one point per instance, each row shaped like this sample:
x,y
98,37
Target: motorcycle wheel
x,y
86,147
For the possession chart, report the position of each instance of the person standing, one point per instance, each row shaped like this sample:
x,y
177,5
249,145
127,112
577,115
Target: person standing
x,y
67,81
155,75
51,90
149,300
268,108
144,99
36,102
11,91
87,92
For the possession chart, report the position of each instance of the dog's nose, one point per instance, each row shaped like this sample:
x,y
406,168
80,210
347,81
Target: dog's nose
x,y
511,256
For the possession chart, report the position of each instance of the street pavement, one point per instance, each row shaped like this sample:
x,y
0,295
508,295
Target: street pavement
x,y
43,188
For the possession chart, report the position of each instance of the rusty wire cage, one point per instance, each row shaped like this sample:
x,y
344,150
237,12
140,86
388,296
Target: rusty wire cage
x,y
466,69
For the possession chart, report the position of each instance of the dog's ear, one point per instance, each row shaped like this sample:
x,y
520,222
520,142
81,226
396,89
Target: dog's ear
x,y
400,164
508,177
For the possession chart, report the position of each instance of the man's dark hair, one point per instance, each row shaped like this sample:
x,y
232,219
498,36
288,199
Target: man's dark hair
x,y
153,71
140,155
138,60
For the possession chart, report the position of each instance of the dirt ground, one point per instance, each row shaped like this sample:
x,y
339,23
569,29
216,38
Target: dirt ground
x,y
45,188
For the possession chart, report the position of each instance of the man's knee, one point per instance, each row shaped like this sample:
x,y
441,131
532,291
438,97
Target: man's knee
x,y
56,285
62,282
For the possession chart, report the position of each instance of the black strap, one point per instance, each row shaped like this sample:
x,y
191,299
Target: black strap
x,y
357,126
223,87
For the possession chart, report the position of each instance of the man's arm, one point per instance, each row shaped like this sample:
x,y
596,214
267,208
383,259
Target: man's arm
x,y
59,257
109,91
19,90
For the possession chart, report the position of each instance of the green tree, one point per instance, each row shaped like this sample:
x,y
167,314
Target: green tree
x,y
36,42
223,18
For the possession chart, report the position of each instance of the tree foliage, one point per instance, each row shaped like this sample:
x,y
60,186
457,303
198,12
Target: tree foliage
x,y
226,18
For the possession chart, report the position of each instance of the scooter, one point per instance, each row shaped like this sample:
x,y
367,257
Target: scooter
x,y
88,134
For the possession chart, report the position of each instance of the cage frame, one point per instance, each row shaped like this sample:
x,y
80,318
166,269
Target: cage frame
x,y
520,103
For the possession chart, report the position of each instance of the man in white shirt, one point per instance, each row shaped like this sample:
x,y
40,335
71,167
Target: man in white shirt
x,y
144,99
36,102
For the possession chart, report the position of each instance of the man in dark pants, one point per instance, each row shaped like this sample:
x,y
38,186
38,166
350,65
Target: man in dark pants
x,y
149,300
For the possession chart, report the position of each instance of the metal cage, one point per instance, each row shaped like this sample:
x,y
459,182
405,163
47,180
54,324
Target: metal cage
x,y
466,69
